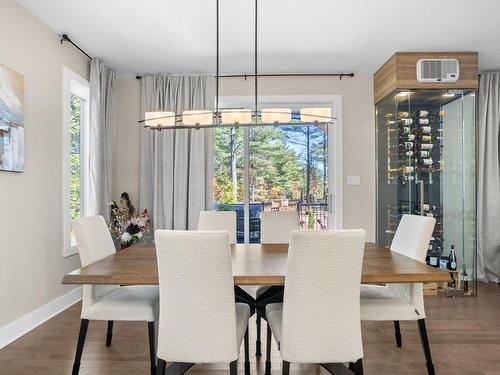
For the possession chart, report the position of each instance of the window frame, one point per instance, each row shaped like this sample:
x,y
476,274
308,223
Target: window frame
x,y
74,85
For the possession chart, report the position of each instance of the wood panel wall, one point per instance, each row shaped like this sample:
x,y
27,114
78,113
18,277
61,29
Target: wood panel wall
x,y
400,72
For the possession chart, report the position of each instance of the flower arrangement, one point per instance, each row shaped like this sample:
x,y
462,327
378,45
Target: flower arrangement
x,y
125,224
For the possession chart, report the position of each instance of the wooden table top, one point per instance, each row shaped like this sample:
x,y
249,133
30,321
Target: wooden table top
x,y
253,264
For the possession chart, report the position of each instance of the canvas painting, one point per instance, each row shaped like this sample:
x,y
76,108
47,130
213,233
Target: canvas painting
x,y
11,120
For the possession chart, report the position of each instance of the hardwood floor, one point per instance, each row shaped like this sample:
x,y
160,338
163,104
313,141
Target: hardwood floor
x,y
464,335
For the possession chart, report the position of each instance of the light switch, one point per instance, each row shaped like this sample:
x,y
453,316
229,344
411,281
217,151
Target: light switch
x,y
353,180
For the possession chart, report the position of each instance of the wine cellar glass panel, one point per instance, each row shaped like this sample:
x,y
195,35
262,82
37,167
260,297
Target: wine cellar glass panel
x,y
426,166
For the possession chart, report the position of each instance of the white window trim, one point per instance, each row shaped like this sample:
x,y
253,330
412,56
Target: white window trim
x,y
335,153
73,84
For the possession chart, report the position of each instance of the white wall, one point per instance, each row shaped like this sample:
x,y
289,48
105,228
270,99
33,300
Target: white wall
x,y
358,134
31,238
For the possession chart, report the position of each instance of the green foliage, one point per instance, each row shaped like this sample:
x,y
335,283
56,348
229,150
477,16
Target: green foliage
x,y
285,163
275,169
311,221
74,158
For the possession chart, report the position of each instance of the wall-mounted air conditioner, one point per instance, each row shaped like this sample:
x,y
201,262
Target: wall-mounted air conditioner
x,y
437,70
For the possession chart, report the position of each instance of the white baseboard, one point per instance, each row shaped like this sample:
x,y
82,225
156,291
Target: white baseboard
x,y
13,330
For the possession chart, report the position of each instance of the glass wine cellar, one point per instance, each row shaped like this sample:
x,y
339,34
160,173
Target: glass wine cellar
x,y
426,165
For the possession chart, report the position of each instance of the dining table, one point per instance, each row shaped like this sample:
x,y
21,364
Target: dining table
x,y
253,264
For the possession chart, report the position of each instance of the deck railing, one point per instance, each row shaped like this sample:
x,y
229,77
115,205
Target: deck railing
x,y
313,215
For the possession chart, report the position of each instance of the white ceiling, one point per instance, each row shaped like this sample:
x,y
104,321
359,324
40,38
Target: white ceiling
x,y
295,36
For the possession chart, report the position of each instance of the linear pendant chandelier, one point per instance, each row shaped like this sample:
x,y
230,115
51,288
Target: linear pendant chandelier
x,y
235,117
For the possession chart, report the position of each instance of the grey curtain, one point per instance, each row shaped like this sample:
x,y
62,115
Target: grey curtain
x,y
176,165
102,117
488,204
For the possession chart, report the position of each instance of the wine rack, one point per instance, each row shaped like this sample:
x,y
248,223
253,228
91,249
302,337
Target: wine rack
x,y
415,164
424,168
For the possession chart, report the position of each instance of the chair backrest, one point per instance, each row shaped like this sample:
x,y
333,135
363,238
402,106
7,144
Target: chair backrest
x,y
276,226
413,235
219,220
412,239
93,239
197,306
321,309
94,243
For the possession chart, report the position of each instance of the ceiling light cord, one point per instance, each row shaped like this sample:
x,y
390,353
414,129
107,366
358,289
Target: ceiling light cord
x,y
217,66
256,76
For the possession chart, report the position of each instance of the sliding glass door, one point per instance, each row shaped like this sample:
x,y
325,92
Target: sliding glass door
x,y
274,168
229,169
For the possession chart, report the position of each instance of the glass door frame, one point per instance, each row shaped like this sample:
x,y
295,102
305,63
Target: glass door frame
x,y
335,160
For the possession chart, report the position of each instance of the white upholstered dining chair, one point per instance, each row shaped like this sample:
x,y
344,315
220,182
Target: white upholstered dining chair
x,y
275,228
319,319
219,220
395,302
199,320
110,302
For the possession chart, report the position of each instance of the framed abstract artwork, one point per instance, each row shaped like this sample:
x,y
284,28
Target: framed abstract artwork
x,y
11,120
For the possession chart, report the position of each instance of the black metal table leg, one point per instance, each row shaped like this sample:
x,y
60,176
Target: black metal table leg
x,y
257,341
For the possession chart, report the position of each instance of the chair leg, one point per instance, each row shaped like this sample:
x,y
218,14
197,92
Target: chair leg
x,y
161,367
268,350
152,349
286,368
84,325
425,345
257,342
233,368
397,333
109,335
356,367
247,353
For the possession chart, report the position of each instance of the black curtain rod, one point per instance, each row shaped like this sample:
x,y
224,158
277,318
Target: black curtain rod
x,y
66,38
340,75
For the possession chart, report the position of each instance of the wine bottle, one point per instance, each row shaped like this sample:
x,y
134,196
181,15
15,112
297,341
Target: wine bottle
x,y
402,114
422,113
407,145
426,138
425,146
443,263
406,121
425,129
406,178
423,207
434,256
423,121
408,137
426,161
452,259
424,154
465,281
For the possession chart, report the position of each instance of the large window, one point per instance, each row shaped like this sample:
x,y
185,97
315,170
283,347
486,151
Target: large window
x,y
75,158
283,168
